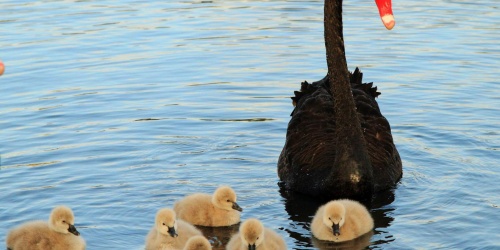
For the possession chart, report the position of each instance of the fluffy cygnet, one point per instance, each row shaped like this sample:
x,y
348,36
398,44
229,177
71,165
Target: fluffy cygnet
x,y
59,233
197,243
168,232
341,220
254,236
219,209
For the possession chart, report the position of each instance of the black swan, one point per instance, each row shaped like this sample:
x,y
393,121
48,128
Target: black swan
x,y
338,144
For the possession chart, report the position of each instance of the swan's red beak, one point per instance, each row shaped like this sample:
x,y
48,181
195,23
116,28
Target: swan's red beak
x,y
2,68
385,11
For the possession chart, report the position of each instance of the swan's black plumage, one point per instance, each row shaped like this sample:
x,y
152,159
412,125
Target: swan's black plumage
x,y
308,155
338,144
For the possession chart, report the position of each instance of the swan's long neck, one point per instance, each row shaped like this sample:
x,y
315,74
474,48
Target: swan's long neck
x,y
352,158
334,43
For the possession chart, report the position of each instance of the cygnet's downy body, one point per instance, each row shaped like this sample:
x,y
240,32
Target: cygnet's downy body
x,y
169,233
219,209
254,236
341,220
197,243
59,233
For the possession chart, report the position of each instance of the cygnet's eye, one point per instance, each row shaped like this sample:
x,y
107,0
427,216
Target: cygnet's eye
x,y
64,221
228,201
164,224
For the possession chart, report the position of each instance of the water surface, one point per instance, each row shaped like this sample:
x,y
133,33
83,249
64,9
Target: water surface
x,y
119,109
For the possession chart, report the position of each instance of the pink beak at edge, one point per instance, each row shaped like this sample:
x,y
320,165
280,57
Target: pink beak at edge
x,y
2,68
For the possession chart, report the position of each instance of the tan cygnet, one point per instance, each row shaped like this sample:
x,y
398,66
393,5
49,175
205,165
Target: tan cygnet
x,y
254,236
197,243
341,220
219,209
59,233
169,233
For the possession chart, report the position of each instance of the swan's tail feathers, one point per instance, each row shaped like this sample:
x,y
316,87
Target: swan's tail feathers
x,y
298,94
295,98
369,89
356,79
306,88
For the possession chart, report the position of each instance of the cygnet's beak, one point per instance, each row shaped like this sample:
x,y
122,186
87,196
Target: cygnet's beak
x,y
237,207
336,229
172,232
251,246
72,229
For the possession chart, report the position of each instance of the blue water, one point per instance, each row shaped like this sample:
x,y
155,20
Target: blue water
x,y
119,109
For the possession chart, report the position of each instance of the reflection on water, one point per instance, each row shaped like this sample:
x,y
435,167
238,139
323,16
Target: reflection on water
x,y
356,244
219,236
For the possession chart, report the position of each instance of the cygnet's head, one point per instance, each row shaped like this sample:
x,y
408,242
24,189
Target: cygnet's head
x,y
62,220
252,233
334,216
165,222
197,242
225,198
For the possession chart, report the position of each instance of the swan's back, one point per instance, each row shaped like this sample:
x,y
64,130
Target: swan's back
x,y
308,153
